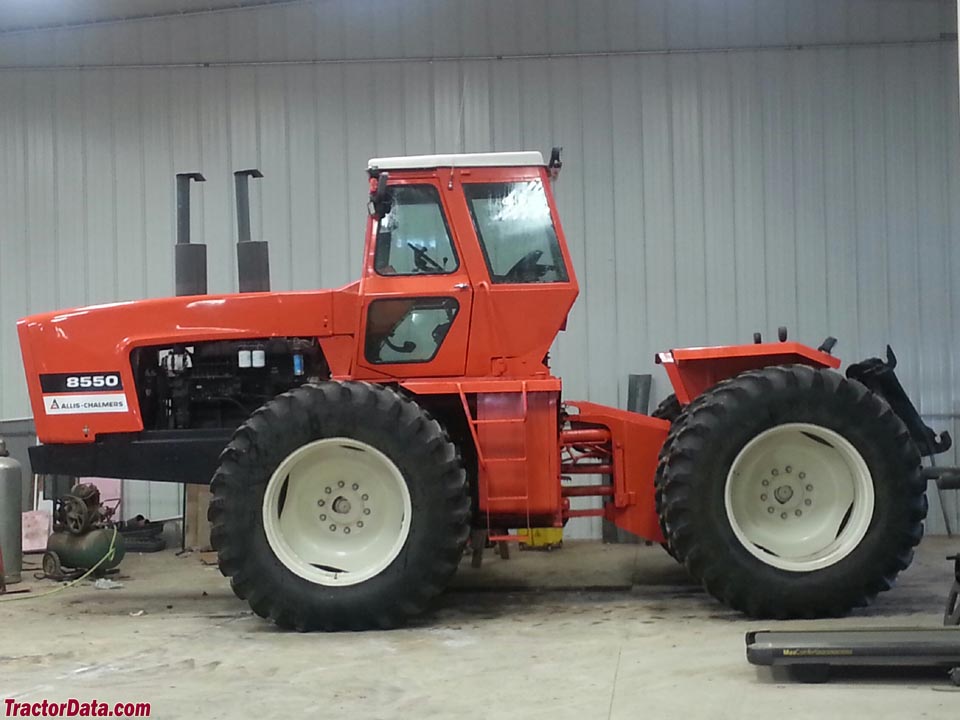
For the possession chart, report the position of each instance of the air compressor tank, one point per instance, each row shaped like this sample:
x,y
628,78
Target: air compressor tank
x,y
82,552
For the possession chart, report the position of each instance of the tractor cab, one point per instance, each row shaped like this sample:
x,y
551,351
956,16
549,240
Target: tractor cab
x,y
457,247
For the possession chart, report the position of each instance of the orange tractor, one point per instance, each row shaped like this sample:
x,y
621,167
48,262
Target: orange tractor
x,y
358,438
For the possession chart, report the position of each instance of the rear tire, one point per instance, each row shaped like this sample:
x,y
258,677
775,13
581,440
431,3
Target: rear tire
x,y
857,517
370,462
668,409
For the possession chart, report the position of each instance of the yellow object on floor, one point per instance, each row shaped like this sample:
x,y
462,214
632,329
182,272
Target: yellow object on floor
x,y
541,538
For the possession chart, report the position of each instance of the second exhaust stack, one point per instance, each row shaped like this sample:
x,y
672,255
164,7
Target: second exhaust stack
x,y
253,258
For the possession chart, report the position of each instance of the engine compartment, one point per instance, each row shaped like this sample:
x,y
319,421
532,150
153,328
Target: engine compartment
x,y
218,384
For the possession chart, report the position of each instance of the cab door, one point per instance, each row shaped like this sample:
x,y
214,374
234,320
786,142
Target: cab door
x,y
416,292
524,279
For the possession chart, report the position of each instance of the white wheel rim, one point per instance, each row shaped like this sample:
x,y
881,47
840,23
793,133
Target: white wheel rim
x,y
799,497
336,512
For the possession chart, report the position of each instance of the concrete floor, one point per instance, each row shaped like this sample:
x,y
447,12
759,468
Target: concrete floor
x,y
640,639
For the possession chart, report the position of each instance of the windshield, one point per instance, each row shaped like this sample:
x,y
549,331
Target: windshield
x,y
516,232
413,237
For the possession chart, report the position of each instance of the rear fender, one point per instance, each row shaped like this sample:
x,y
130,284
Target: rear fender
x,y
693,370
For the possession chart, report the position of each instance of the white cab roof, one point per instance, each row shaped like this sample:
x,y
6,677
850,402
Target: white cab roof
x,y
497,159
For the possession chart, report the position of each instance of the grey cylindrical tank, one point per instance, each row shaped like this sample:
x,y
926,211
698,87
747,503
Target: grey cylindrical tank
x,y
10,530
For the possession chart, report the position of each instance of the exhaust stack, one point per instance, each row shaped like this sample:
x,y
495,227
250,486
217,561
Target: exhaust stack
x,y
190,261
253,257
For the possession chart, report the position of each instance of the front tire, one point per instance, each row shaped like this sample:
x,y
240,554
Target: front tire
x,y
339,506
762,539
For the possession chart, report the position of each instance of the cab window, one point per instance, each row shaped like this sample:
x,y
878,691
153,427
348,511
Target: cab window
x,y
516,232
413,237
408,330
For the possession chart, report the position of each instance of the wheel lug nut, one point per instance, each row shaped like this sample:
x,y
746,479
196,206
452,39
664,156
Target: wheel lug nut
x,y
355,486
783,516
359,523
809,488
769,509
333,527
327,490
774,472
364,497
366,511
323,517
319,503
763,497
808,502
798,512
346,531
341,483
765,482
802,475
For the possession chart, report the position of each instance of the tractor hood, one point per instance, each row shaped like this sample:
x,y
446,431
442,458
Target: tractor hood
x,y
77,362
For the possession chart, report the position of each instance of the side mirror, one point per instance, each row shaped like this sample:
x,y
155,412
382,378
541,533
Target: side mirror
x,y
380,201
555,162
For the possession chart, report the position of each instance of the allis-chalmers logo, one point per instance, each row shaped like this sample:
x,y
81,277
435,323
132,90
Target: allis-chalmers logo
x,y
83,393
82,404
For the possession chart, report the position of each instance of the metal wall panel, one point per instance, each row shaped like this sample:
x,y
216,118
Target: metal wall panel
x,y
705,195
156,501
335,29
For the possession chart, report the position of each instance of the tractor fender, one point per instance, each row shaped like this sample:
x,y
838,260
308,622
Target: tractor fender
x,y
693,370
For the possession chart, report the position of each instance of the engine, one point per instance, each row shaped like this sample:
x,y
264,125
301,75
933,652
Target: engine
x,y
219,384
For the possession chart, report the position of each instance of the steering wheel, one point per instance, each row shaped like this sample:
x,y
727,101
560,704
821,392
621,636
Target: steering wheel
x,y
422,259
527,265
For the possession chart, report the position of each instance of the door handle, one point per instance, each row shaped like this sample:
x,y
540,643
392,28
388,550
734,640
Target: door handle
x,y
461,286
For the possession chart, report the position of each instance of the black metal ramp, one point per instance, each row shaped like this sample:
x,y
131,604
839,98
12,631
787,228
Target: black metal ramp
x,y
810,654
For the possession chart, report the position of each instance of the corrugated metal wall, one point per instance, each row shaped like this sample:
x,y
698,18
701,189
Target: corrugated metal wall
x,y
705,194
